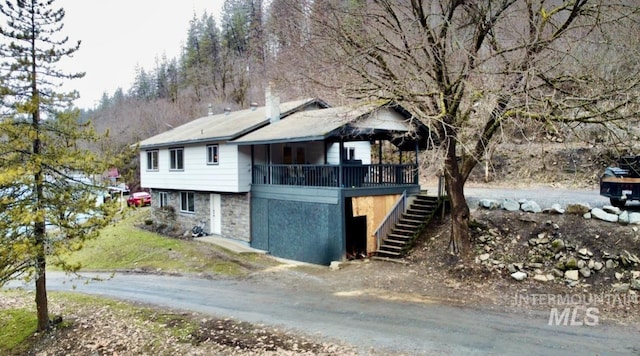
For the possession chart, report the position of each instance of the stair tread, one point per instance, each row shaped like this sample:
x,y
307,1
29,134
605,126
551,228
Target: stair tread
x,y
401,241
393,247
400,235
424,202
396,241
403,223
404,233
388,253
420,211
423,206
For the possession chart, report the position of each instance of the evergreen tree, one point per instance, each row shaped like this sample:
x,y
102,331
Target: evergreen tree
x,y
211,51
143,85
173,80
192,58
236,25
47,196
118,96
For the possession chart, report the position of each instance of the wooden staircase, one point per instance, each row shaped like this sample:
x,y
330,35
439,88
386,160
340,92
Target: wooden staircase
x,y
410,225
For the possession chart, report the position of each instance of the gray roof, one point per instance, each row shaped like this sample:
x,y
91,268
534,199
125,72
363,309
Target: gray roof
x,y
223,127
315,125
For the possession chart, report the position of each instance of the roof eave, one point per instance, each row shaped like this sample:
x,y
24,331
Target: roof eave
x,y
208,139
187,142
281,140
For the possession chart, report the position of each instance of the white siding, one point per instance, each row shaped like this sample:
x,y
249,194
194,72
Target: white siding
x,y
386,119
362,151
244,168
197,174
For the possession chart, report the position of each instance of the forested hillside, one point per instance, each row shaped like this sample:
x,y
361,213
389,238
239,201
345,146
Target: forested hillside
x,y
222,64
493,73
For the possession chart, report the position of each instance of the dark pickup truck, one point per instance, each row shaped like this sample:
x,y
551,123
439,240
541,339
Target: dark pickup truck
x,y
622,183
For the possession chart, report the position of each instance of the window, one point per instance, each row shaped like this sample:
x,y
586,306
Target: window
x,y
164,199
187,202
176,158
349,153
152,160
212,154
287,155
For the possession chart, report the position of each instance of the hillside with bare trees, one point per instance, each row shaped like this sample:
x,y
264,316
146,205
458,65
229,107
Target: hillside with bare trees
x,y
491,78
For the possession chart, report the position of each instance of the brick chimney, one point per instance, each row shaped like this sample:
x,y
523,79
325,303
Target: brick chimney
x,y
272,104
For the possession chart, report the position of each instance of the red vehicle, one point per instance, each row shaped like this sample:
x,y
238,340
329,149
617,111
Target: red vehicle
x,y
139,199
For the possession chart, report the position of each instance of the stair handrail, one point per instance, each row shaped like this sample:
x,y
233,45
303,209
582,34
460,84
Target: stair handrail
x,y
392,218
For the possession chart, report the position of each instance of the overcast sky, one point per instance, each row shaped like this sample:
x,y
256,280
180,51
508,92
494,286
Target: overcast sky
x,y
117,35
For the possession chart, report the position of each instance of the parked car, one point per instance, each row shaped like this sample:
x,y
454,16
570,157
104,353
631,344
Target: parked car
x,y
118,189
139,199
622,183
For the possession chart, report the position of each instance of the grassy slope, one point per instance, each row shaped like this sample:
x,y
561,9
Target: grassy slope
x,y
16,326
124,246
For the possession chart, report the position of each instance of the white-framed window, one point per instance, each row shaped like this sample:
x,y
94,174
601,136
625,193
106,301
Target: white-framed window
x,y
212,154
187,202
176,159
164,199
152,160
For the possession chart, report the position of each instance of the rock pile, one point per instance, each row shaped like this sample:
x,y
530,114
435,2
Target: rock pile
x,y
606,213
550,256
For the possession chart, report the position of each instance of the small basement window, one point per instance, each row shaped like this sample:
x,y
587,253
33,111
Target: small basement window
x,y
187,202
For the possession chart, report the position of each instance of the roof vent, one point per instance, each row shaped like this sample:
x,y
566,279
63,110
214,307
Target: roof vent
x,y
227,111
253,106
210,111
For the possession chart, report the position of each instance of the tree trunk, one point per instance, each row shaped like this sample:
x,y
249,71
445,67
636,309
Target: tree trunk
x,y
460,241
40,235
41,292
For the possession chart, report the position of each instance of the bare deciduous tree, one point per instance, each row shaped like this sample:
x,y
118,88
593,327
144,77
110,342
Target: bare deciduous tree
x,y
471,69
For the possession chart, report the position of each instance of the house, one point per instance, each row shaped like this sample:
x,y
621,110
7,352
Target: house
x,y
296,179
196,177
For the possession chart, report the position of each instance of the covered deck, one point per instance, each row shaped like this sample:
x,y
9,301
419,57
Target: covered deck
x,y
336,176
316,149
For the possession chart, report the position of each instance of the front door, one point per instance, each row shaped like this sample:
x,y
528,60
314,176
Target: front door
x,y
216,214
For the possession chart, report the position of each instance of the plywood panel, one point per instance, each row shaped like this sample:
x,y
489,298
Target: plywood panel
x,y
375,208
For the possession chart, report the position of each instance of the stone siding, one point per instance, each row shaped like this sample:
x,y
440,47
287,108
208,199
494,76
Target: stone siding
x,y
235,219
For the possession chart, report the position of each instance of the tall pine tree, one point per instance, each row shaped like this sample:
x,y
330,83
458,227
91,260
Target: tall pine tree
x,y
47,187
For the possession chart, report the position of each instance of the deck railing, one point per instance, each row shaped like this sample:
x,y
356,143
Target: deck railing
x,y
344,176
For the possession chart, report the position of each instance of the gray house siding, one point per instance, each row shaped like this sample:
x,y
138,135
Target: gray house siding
x,y
298,223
